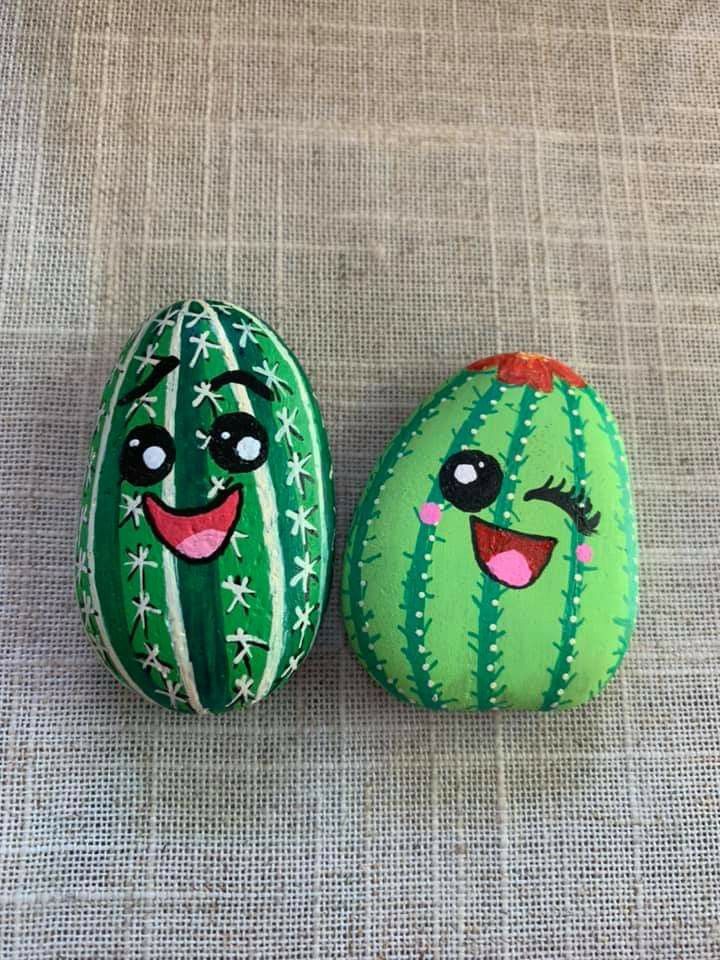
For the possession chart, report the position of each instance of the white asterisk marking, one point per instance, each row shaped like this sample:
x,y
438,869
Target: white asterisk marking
x,y
239,591
217,485
143,607
301,523
81,563
205,392
172,691
306,571
137,563
151,660
233,542
133,508
293,663
185,314
272,380
87,610
147,403
206,313
297,473
302,622
245,642
287,429
147,359
89,471
166,321
243,685
248,332
203,348
204,439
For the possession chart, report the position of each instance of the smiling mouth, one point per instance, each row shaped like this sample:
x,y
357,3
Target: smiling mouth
x,y
513,559
195,535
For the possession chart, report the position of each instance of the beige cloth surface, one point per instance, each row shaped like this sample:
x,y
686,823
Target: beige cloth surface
x,y
398,187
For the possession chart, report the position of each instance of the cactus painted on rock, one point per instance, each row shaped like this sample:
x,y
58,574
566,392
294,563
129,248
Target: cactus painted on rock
x,y
207,524
492,562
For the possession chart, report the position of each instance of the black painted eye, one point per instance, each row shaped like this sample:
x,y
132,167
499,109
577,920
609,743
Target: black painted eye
x,y
238,442
470,479
147,455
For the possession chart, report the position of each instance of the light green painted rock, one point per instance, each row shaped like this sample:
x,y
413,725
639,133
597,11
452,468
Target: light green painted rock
x,y
206,534
492,559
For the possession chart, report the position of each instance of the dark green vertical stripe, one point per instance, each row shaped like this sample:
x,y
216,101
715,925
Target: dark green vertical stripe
x,y
566,646
489,669
624,518
198,584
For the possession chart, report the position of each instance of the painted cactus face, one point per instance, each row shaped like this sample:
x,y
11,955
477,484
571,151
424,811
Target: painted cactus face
x,y
207,520
492,558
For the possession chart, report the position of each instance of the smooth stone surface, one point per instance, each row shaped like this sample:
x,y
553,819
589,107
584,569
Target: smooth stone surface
x,y
492,559
207,524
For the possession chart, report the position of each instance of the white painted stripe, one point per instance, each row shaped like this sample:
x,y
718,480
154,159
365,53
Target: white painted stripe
x,y
174,615
309,403
268,508
102,447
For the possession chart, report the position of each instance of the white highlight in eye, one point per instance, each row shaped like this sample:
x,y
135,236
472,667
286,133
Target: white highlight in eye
x,y
154,457
465,473
248,448
225,435
134,442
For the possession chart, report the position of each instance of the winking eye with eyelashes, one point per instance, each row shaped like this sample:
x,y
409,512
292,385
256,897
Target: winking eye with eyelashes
x,y
575,502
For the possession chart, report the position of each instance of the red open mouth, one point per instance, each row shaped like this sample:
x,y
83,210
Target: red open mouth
x,y
195,535
513,559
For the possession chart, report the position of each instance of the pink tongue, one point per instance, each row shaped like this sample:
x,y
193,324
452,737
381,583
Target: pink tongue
x,y
200,545
511,568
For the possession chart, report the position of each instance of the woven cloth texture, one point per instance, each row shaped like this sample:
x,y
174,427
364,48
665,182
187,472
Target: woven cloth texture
x,y
399,188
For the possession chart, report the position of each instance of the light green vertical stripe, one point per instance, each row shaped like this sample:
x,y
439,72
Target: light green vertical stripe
x,y
490,636
361,554
418,648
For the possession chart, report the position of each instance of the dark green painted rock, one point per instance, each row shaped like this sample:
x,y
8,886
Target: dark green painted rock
x,y
492,558
207,526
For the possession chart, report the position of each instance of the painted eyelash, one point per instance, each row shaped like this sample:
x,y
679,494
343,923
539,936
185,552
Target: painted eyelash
x,y
573,501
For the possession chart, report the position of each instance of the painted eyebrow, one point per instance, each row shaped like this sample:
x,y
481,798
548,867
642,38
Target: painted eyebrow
x,y
161,369
246,379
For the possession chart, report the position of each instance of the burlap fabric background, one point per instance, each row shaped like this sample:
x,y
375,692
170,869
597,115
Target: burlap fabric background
x,y
398,187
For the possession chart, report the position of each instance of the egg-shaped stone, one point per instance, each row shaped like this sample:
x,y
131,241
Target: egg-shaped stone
x,y
207,523
492,559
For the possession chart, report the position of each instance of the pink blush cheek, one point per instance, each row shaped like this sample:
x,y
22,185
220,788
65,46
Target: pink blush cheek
x,y
430,513
584,553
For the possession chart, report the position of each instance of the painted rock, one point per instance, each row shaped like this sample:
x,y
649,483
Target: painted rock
x,y
205,541
492,558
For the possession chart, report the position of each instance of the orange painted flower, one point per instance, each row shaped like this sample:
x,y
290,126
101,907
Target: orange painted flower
x,y
529,369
